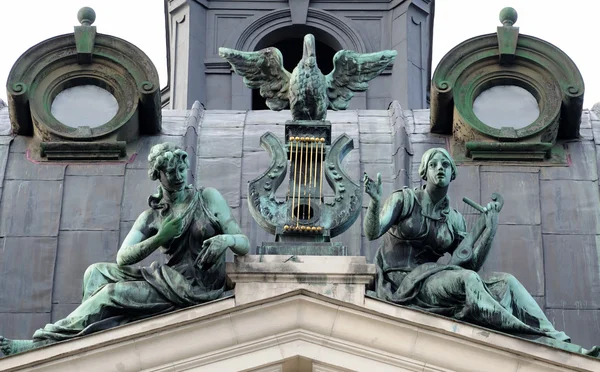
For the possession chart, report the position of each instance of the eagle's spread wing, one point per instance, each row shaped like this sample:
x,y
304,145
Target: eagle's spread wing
x,y
262,70
351,72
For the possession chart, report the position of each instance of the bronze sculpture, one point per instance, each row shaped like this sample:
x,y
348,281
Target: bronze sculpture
x,y
419,227
306,90
193,228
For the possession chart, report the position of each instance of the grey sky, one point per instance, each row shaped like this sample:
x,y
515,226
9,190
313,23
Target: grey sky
x,y
27,22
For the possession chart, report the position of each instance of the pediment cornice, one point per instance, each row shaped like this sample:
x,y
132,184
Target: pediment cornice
x,y
220,336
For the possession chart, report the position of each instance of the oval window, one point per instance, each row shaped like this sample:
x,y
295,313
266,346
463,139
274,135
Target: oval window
x,y
506,106
84,105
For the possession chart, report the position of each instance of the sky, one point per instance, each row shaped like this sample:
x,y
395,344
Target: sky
x,y
574,29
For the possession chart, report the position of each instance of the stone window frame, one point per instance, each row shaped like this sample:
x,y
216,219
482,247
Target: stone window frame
x,y
83,57
507,58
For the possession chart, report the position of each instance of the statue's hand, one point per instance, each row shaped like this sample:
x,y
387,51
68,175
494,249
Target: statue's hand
x,y
170,228
213,248
373,188
491,214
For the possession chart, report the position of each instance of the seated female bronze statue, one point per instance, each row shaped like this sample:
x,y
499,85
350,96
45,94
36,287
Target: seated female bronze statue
x,y
193,228
420,227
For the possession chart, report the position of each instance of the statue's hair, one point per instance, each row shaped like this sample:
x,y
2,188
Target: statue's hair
x,y
164,157
430,154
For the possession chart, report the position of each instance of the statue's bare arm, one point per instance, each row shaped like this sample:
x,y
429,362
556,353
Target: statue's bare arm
x,y
140,242
379,220
232,236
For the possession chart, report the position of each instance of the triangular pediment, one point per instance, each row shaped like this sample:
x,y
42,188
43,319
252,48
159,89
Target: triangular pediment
x,y
298,331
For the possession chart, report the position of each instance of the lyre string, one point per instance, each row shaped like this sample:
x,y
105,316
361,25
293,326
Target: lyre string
x,y
296,178
310,178
322,161
305,172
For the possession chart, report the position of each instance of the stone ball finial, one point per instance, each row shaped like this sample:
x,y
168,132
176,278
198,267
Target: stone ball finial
x,y
86,16
508,16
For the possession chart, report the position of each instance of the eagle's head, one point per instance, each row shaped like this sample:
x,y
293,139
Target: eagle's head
x,y
309,57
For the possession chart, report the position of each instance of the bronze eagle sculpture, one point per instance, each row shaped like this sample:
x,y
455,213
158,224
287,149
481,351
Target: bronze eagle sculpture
x,y
306,90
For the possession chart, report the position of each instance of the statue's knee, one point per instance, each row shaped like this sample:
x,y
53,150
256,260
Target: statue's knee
x,y
470,277
90,272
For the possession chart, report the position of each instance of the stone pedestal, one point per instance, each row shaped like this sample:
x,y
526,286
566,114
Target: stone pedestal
x,y
258,277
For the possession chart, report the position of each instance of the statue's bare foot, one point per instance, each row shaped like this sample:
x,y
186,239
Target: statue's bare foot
x,y
10,347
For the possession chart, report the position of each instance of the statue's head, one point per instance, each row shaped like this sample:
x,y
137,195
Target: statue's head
x,y
437,166
169,164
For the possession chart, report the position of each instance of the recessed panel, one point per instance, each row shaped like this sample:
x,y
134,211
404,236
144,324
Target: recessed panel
x,y
506,106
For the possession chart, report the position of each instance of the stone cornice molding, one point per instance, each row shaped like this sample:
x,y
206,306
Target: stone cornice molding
x,y
221,336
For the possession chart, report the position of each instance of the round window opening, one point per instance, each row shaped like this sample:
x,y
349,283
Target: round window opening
x,y
506,106
84,105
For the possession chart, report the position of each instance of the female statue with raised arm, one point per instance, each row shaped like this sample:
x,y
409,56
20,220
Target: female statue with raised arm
x,y
193,228
420,227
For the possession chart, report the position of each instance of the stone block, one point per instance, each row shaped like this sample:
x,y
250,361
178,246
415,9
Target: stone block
x,y
572,269
3,161
20,144
138,187
467,183
92,203
343,116
214,118
422,128
21,326
20,168
377,153
76,251
421,116
583,326
518,250
439,140
373,113
570,207
582,164
521,194
220,142
175,125
268,117
418,149
5,128
143,146
31,208
252,134
27,274
375,138
372,169
375,124
223,174
259,277
96,169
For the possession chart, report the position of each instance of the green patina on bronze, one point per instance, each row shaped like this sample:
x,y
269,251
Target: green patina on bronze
x,y
507,58
304,222
306,90
419,227
81,58
193,228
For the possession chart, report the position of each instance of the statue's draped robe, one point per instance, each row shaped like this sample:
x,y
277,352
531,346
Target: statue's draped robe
x,y
408,274
115,295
